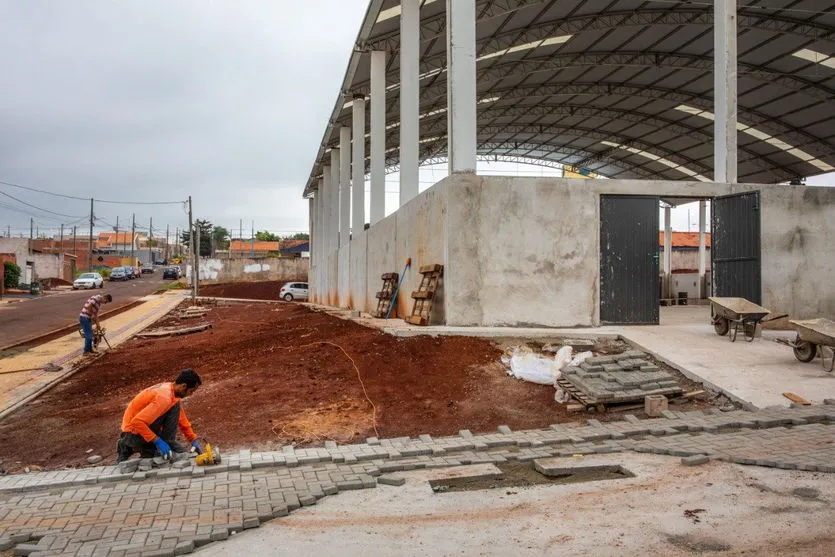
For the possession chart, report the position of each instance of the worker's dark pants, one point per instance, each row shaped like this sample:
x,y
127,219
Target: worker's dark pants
x,y
87,327
165,427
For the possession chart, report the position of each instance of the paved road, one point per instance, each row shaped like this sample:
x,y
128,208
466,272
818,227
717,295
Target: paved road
x,y
37,316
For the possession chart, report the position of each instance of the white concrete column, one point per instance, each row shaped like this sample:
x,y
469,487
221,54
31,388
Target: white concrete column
x,y
702,249
358,165
334,192
320,221
344,185
461,85
311,223
409,98
327,227
378,136
668,252
724,91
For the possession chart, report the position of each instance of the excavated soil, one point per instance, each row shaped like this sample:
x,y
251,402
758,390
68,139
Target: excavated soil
x,y
275,374
267,290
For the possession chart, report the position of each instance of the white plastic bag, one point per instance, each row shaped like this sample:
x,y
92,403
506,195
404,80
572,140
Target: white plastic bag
x,y
580,358
532,367
561,396
562,359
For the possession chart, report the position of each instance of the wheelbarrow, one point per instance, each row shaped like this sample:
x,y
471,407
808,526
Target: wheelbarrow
x,y
732,314
812,336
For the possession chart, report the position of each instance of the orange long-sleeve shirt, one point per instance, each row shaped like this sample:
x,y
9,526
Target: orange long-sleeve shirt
x,y
149,405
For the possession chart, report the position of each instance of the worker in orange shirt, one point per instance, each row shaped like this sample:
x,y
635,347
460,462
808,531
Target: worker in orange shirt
x,y
152,418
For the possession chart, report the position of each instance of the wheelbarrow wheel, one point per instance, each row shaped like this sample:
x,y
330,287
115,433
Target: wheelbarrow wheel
x,y
804,351
721,326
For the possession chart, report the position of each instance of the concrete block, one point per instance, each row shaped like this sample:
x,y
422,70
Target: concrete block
x,y
504,429
182,464
372,441
331,445
5,543
27,548
695,460
129,466
612,368
252,522
94,459
465,433
219,534
184,547
829,401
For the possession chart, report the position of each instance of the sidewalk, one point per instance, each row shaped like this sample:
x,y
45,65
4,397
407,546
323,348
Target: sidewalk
x,y
66,352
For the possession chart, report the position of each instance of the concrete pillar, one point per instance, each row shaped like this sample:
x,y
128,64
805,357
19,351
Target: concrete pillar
x,y
327,227
724,91
320,221
702,250
344,185
461,85
334,192
358,165
409,98
378,136
668,253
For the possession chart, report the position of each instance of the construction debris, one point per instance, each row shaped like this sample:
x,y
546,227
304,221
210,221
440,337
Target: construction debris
x,y
797,398
173,331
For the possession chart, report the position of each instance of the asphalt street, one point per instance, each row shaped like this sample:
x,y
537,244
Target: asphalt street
x,y
36,316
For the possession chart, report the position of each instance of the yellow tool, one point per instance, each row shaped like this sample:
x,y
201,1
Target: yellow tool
x,y
209,455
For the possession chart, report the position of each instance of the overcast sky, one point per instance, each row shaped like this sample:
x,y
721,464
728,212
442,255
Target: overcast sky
x,y
156,100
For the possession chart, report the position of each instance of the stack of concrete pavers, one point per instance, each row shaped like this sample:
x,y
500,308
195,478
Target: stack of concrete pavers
x,y
620,378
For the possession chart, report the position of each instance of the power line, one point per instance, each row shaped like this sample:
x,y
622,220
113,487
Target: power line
x,y
38,208
87,198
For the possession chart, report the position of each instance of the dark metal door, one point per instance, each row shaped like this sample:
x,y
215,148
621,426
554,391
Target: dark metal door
x,y
735,246
629,282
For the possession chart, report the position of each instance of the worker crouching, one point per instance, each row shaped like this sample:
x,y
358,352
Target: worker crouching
x,y
152,418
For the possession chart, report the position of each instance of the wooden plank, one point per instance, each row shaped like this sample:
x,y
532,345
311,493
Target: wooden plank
x,y
436,268
392,276
797,398
384,295
417,320
423,294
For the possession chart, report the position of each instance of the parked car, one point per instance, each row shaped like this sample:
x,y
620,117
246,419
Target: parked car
x,y
170,273
293,291
147,269
137,272
88,280
118,273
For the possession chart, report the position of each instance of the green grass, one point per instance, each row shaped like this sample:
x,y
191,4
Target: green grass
x,y
176,285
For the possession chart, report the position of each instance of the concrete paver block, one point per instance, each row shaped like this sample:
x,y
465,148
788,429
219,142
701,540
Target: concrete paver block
x,y
695,460
387,479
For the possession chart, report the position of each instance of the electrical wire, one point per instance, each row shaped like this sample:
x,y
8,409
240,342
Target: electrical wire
x,y
38,208
88,199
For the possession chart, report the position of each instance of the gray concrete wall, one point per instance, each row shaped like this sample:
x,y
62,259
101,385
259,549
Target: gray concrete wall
x,y
798,235
359,270
344,278
215,271
331,297
380,258
48,265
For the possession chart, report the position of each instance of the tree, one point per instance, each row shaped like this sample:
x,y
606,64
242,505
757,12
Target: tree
x,y
205,228
299,236
264,236
11,274
221,237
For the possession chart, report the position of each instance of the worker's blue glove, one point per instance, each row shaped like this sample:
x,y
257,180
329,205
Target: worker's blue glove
x,y
162,447
196,446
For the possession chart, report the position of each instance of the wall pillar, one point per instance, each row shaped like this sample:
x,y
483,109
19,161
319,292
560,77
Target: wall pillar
x,y
724,91
344,185
334,196
409,98
325,240
668,254
358,165
702,249
378,136
461,85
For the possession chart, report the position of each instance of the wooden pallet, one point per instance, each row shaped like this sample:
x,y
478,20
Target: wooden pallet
x,y
576,393
384,296
424,296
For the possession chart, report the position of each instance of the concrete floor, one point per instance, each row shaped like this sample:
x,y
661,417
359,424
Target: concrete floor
x,y
644,515
755,374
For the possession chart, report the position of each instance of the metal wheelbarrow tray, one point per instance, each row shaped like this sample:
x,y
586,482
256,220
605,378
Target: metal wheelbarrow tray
x,y
811,334
732,314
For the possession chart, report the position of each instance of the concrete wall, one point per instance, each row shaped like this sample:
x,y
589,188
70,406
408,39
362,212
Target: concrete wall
x,y
381,257
344,277
250,270
48,265
798,235
358,271
45,265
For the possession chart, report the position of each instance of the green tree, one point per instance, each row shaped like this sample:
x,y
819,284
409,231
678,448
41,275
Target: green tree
x,y
205,228
299,236
221,237
11,274
264,236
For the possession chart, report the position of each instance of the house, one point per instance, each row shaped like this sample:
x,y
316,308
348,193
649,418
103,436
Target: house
x,y
118,242
685,252
295,248
253,248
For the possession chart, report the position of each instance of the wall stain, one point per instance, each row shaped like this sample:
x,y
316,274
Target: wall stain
x,y
795,239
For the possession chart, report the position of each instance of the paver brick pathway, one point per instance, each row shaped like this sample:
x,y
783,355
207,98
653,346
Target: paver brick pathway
x,y
101,511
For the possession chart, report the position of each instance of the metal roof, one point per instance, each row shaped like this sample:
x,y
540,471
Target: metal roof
x,y
622,88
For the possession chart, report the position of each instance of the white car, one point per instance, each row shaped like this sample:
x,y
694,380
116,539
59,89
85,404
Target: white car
x,y
293,291
88,280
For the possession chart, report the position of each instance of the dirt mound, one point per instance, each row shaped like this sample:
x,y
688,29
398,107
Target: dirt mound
x,y
267,290
279,374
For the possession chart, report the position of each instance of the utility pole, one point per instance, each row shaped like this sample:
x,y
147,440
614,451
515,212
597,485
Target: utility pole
x,y
191,254
252,242
177,239
90,256
132,236
61,243
73,241
241,237
167,250
31,231
150,240
117,234
197,263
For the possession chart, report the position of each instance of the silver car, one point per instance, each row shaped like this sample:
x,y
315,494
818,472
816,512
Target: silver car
x,y
293,291
88,280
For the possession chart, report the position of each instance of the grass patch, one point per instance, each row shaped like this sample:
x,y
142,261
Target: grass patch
x,y
176,285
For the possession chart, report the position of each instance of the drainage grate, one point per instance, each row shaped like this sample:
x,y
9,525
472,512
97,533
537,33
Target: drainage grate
x,y
524,474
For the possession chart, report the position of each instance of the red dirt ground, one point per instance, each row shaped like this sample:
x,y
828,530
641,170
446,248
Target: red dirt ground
x,y
267,290
280,373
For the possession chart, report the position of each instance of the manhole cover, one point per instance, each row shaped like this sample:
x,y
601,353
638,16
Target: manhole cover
x,y
524,474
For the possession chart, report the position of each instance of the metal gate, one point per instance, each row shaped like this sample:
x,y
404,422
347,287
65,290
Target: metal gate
x,y
735,246
629,281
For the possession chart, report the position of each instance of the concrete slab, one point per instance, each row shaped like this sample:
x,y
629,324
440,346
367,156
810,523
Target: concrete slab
x,y
666,509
